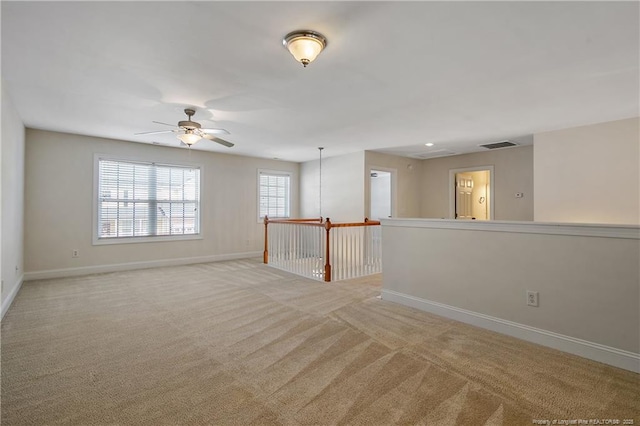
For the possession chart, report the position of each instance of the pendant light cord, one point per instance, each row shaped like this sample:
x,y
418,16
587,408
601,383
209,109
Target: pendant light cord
x,y
320,183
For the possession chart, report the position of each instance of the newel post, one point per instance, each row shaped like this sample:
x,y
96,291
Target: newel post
x,y
265,256
327,265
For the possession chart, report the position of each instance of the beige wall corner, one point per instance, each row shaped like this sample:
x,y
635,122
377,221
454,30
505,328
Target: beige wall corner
x,y
407,173
12,215
588,174
342,187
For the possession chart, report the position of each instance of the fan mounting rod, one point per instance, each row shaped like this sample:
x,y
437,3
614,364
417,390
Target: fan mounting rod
x,y
188,124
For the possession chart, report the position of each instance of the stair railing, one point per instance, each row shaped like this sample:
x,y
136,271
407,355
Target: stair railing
x,y
346,250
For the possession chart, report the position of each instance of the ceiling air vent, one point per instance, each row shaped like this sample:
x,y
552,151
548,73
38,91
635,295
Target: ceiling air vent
x,y
503,144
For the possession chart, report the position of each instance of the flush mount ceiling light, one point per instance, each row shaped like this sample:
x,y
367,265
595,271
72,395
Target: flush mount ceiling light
x,y
429,144
304,45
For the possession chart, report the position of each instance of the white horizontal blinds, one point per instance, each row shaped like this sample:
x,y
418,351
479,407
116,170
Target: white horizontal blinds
x,y
275,195
145,199
178,196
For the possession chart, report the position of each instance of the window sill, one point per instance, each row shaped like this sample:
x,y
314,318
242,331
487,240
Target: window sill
x,y
135,240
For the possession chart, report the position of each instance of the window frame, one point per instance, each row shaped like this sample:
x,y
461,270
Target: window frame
x,y
272,172
96,240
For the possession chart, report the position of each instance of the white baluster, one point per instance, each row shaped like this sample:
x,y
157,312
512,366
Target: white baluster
x,y
337,252
304,255
296,248
356,250
360,234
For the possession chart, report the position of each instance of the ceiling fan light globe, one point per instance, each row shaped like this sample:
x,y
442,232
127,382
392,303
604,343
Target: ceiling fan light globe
x,y
189,138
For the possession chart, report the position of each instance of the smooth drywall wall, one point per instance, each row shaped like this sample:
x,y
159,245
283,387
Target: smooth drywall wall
x,y
588,285
405,182
588,174
59,202
513,173
13,136
343,186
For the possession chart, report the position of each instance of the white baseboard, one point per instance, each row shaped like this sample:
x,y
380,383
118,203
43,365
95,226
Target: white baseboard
x,y
12,295
99,269
594,351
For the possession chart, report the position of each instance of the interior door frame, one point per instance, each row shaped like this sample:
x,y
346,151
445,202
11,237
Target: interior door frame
x,y
452,189
394,189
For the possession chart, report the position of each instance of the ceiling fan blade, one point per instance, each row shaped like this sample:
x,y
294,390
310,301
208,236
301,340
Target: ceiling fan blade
x,y
166,124
220,141
156,132
216,131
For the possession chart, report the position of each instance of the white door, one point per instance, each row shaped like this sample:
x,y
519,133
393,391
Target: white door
x,y
471,193
464,191
380,200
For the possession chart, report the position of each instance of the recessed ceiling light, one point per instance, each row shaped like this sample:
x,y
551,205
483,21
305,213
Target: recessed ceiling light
x,y
428,144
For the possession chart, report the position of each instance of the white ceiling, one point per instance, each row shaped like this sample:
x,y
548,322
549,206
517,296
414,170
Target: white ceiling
x,y
393,77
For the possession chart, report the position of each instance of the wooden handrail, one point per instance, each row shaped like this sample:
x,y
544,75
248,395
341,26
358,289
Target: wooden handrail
x,y
294,220
320,222
314,222
366,222
317,224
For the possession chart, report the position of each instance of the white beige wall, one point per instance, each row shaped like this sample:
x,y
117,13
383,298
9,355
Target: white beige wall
x,y
59,204
405,182
588,285
513,169
12,216
588,174
343,183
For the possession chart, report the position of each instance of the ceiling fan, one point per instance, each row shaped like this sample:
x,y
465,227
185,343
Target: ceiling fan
x,y
190,132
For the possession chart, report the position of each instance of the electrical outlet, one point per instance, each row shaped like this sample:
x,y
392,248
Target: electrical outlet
x,y
532,298
75,253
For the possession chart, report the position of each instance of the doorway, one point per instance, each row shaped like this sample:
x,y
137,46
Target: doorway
x,y
472,193
380,200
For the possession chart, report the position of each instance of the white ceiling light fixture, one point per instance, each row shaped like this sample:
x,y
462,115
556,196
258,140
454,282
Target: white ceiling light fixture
x,y
189,137
304,45
428,144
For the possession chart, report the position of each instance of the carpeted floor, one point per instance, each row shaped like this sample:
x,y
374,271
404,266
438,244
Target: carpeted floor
x,y
239,343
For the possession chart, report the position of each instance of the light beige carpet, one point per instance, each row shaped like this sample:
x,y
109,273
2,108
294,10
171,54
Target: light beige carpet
x,y
239,343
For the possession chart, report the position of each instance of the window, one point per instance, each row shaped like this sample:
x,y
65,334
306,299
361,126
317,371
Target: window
x,y
274,194
138,199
